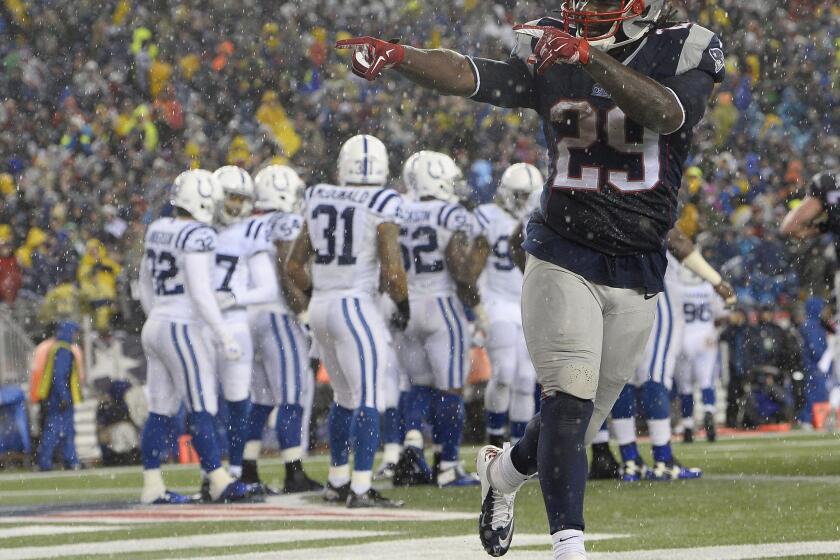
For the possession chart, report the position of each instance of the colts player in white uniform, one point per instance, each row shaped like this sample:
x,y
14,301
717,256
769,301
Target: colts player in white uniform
x,y
698,364
653,379
434,352
177,296
509,396
243,276
282,377
351,236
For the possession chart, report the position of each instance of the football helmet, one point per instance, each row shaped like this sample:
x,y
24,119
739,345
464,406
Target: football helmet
x,y
437,176
408,171
278,187
517,184
600,27
197,194
363,161
238,193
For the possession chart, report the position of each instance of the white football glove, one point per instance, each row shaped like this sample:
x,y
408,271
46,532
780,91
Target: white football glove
x,y
226,300
231,348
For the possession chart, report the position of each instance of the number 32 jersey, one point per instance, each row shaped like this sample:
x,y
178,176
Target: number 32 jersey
x,y
611,195
167,242
342,223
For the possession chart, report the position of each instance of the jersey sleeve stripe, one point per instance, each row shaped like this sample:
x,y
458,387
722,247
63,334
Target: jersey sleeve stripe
x,y
192,231
440,215
257,231
448,215
695,45
248,231
185,230
375,197
180,233
482,219
385,202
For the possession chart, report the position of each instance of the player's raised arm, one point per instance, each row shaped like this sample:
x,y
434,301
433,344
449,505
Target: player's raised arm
x,y
806,220
442,70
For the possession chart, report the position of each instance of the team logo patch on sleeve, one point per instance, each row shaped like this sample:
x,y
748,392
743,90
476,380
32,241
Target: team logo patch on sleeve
x,y
718,57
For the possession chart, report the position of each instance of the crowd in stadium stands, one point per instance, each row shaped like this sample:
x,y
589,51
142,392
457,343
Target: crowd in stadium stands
x,y
103,104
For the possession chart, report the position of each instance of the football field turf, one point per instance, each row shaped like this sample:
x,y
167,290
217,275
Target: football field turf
x,y
762,497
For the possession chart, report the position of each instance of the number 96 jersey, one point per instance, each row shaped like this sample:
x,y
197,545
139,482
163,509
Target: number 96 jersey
x,y
342,223
501,279
167,241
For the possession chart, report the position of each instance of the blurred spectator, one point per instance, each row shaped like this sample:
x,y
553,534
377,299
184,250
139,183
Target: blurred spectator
x,y
815,344
10,275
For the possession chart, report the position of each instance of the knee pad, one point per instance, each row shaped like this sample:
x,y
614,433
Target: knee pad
x,y
625,406
579,380
656,401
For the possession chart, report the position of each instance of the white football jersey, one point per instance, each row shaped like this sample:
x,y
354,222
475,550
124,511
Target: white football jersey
x,y
236,244
427,228
701,307
342,223
501,278
279,226
167,241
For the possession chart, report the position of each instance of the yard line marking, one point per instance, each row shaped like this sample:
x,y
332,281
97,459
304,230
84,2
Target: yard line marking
x,y
826,479
467,547
217,540
39,530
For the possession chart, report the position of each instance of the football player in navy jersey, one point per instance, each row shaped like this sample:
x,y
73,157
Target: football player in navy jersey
x,y
619,88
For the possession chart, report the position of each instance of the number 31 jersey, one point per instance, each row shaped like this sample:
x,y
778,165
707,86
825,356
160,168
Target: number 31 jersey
x,y
167,242
501,278
427,228
342,223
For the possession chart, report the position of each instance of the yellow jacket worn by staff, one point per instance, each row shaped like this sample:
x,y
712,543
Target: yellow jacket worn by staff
x,y
43,363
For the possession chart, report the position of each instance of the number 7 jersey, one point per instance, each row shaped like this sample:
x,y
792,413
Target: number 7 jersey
x,y
167,242
342,223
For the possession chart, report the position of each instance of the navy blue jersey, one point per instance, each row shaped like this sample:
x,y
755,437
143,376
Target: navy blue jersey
x,y
611,194
826,188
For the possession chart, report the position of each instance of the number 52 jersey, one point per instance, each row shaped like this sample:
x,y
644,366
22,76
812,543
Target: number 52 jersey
x,y
167,242
342,223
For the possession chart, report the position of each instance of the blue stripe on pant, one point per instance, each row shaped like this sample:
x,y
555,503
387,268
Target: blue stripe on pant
x,y
193,406
278,339
296,395
461,345
345,309
662,342
451,331
375,359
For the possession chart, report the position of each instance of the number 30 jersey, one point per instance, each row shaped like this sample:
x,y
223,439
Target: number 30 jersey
x,y
167,242
342,223
611,195
427,228
501,278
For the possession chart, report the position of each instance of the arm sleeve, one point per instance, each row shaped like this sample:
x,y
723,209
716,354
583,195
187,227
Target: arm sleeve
x,y
693,89
197,270
145,286
264,290
508,83
820,186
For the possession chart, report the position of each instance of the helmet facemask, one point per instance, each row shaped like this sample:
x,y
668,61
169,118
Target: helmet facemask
x,y
607,24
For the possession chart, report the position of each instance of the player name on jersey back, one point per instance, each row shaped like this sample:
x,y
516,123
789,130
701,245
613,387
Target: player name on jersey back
x,y
342,223
167,243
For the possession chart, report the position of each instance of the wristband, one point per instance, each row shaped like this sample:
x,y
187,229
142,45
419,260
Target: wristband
x,y
698,265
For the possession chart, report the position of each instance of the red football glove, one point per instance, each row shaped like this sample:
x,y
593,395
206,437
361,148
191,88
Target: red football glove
x,y
371,55
554,44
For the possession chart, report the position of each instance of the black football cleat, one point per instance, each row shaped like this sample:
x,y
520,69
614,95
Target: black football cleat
x,y
412,469
336,495
372,499
385,472
604,466
688,435
709,425
204,494
297,481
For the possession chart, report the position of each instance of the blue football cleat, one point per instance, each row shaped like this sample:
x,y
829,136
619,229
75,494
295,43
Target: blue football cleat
x,y
634,471
457,476
662,471
172,498
238,491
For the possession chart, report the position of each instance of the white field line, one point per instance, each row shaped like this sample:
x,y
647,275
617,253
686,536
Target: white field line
x,y
41,530
469,548
231,540
792,479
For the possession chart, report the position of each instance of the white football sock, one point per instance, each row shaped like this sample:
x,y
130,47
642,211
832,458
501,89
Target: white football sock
x,y
391,453
603,436
414,438
503,475
219,480
625,430
567,543
688,423
446,465
339,476
153,486
361,482
291,454
252,450
709,408
235,471
660,431
834,398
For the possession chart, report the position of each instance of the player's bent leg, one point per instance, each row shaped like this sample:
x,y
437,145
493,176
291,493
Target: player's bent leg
x,y
338,478
603,465
502,350
633,469
257,419
448,416
656,402
687,412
